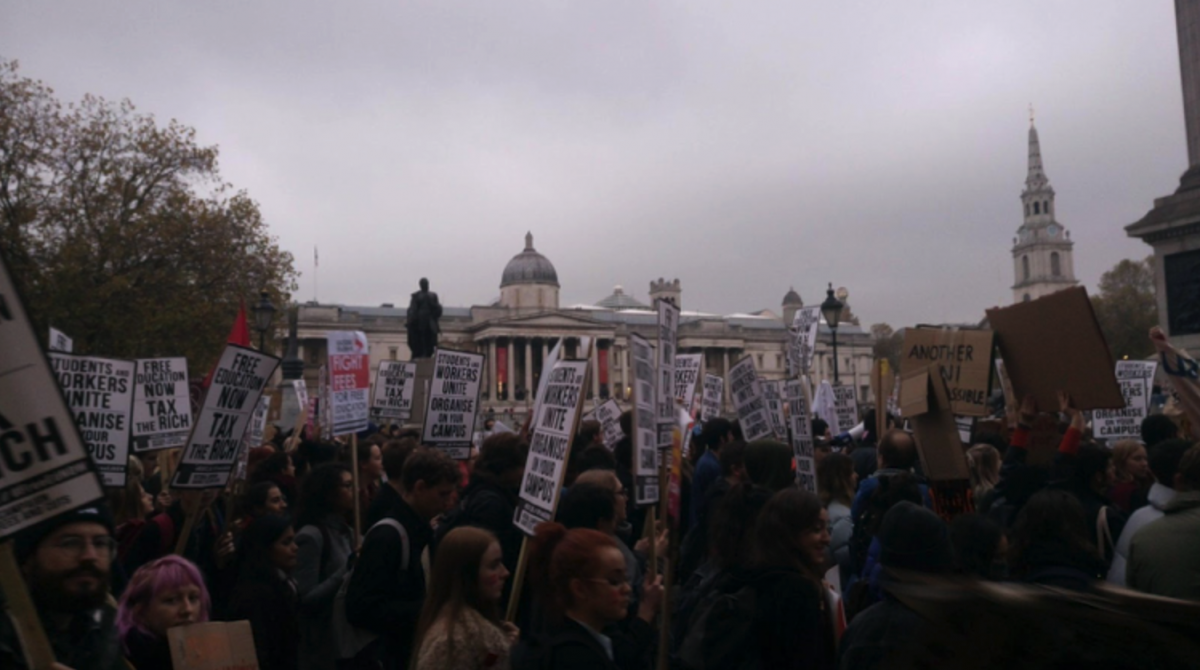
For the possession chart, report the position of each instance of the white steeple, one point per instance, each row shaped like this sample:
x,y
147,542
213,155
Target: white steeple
x,y
1042,250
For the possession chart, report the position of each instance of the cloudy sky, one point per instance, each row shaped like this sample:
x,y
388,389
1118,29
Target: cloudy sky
x,y
741,147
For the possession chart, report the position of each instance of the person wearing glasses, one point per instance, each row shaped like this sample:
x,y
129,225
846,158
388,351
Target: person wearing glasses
x,y
66,562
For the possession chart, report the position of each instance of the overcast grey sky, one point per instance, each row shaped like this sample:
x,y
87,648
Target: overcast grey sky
x,y
742,147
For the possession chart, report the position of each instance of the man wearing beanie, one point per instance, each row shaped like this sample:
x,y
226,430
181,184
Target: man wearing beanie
x,y
913,539
66,562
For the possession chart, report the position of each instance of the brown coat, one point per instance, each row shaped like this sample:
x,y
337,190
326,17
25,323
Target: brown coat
x,y
474,643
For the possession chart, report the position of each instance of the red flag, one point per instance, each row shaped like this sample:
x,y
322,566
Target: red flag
x,y
239,334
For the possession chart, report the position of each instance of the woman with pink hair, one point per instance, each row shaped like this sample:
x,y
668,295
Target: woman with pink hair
x,y
162,594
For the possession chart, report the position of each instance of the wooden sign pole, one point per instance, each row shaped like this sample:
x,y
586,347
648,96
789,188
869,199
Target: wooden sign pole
x,y
357,500
39,655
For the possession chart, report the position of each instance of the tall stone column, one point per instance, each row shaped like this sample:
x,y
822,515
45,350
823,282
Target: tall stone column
x,y
512,374
725,376
595,362
529,390
491,354
1187,27
624,370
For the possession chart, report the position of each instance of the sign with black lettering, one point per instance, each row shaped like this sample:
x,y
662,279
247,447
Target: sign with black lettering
x,y
799,408
668,327
773,394
609,416
99,392
395,384
349,381
714,390
212,449
453,401
60,342
846,405
803,340
687,374
162,408
301,396
1136,379
553,428
253,438
750,401
44,466
964,358
645,422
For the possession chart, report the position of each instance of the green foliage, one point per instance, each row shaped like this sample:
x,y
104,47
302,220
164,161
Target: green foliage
x,y
120,231
1126,308
888,344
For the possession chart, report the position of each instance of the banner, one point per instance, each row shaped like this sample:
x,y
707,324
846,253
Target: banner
x,y
714,390
773,395
349,380
99,392
451,406
60,342
687,373
846,405
45,470
799,409
162,408
553,429
803,340
645,417
749,400
609,416
668,327
395,384
212,449
964,357
825,406
1136,379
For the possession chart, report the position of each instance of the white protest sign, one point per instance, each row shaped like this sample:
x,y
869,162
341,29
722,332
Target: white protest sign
x,y
301,396
804,339
253,437
668,327
395,384
825,406
847,407
687,374
212,449
964,424
609,416
162,407
453,401
1136,379
802,439
99,392
749,400
714,389
60,342
45,470
349,381
773,395
645,418
553,429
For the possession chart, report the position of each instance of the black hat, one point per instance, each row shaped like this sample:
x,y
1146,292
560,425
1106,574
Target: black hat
x,y
27,540
914,538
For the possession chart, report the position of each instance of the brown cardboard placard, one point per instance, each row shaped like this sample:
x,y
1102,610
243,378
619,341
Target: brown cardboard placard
x,y
216,645
926,404
964,357
1054,343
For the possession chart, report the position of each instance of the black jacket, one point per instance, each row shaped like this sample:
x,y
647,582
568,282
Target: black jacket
x,y
381,505
880,636
147,652
381,597
794,630
573,647
269,603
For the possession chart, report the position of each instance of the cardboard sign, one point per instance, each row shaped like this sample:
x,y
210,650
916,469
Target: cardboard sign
x,y
1136,379
773,395
799,408
609,416
846,405
687,373
803,340
964,358
452,403
45,470
645,422
302,396
553,428
749,399
395,384
212,449
965,426
162,408
349,381
60,342
668,327
714,390
215,645
1052,344
99,392
926,404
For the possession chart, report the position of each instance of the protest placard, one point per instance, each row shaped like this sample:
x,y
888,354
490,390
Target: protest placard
x,y
687,374
555,421
825,407
846,405
349,381
965,426
802,439
215,645
926,403
99,392
301,389
255,433
749,400
46,470
212,449
714,389
645,417
964,358
668,327
773,395
323,418
803,340
451,406
162,409
60,342
1054,344
1136,379
609,416
395,384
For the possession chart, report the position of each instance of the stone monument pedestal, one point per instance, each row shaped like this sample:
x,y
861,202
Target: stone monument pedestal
x,y
421,390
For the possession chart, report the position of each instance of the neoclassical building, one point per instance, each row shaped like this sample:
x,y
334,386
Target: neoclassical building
x,y
517,332
1042,251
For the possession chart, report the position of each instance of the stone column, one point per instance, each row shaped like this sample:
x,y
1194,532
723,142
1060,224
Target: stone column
x,y
725,375
529,369
491,354
511,364
624,369
595,362
1187,26
611,376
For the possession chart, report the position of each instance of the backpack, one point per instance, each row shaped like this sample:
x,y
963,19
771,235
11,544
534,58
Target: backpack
x,y
721,632
351,639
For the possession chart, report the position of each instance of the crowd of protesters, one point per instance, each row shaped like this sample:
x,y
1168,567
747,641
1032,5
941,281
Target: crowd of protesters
x,y
764,574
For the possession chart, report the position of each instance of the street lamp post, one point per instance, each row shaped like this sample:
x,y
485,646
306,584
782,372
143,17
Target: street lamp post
x,y
831,309
264,313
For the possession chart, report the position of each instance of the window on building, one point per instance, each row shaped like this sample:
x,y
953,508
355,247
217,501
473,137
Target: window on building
x,y
1025,267
760,361
393,352
1026,298
1036,208
1026,209
778,360
1046,206
314,357
1055,265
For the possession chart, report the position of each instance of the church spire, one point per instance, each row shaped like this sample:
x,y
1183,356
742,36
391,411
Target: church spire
x,y
1036,180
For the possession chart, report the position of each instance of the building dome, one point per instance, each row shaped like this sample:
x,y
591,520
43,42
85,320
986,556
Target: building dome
x,y
529,267
792,298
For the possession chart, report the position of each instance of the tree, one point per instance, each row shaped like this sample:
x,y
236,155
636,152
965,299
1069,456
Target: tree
x,y
1126,308
888,344
121,232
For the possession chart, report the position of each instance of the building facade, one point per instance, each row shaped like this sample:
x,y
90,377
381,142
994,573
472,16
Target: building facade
x,y
1042,250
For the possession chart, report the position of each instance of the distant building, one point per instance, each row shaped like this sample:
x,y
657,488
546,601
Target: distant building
x,y
1042,250
517,332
